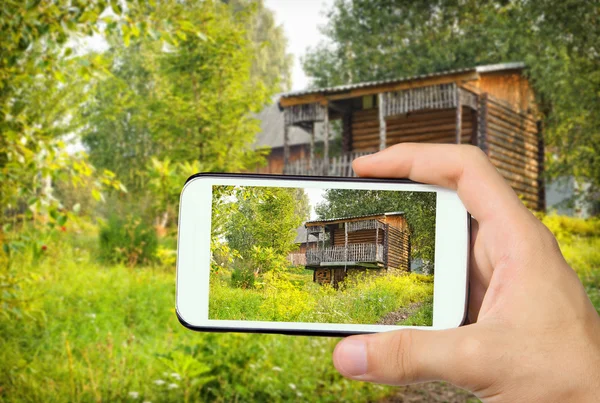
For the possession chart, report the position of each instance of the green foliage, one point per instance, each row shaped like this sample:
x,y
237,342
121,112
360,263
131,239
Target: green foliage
x,y
262,221
558,40
579,242
271,63
363,298
242,277
103,332
419,209
188,102
128,240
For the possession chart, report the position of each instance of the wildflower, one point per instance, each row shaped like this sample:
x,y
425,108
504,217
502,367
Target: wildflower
x,y
44,247
292,386
299,394
173,386
92,316
63,228
159,382
175,375
134,395
276,369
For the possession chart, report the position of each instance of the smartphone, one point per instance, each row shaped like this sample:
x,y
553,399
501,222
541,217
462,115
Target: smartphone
x,y
327,256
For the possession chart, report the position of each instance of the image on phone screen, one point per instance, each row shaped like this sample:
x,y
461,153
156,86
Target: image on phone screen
x,y
322,255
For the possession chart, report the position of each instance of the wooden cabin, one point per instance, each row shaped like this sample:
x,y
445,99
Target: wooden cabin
x,y
378,242
492,107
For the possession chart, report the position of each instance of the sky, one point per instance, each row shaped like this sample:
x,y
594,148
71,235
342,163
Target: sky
x,y
301,20
315,196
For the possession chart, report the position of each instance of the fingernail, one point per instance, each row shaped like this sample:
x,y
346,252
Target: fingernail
x,y
351,357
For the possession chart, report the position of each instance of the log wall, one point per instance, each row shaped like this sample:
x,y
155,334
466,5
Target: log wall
x,y
398,249
354,237
430,126
513,146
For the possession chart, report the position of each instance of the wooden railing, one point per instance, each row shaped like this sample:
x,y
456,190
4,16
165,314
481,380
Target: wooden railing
x,y
360,252
337,166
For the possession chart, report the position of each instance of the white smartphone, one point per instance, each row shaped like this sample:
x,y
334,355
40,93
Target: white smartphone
x,y
320,255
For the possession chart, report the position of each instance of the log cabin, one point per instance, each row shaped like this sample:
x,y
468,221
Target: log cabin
x,y
376,243
492,107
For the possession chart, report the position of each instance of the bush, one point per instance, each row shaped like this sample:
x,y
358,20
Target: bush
x,y
242,278
128,241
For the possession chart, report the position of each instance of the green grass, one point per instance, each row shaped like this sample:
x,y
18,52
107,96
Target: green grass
x,y
89,332
82,331
362,299
421,317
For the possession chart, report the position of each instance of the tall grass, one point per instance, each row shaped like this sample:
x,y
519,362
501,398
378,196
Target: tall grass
x,y
579,242
362,299
91,332
82,331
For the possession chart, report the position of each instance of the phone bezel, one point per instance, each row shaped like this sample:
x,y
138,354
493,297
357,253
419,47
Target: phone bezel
x,y
450,297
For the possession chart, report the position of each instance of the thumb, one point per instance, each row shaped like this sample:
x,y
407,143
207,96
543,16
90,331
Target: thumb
x,y
409,356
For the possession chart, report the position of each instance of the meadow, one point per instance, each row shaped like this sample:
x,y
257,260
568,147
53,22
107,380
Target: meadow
x,y
74,329
294,297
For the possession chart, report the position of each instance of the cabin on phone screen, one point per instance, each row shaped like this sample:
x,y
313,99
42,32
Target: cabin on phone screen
x,y
491,107
341,246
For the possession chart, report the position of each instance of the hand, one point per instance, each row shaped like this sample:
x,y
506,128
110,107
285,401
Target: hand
x,y
534,334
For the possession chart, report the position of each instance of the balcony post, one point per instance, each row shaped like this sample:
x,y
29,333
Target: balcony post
x,y
311,161
286,145
326,141
382,125
345,245
458,102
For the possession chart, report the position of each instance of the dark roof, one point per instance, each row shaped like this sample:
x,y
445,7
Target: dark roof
x,y
489,68
354,217
271,129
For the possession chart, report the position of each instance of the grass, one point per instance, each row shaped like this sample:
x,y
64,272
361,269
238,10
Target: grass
x,y
362,299
82,331
90,332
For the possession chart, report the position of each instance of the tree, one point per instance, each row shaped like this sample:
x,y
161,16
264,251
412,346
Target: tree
x,y
192,101
265,217
34,102
558,40
418,207
271,64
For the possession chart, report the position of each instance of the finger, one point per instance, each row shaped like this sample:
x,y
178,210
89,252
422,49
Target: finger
x,y
463,168
410,356
480,274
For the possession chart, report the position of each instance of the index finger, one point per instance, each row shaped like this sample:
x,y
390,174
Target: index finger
x,y
463,168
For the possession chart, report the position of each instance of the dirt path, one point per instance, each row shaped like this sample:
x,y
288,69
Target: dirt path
x,y
394,317
434,392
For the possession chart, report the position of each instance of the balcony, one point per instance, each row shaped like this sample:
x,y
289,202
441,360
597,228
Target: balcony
x,y
335,166
341,255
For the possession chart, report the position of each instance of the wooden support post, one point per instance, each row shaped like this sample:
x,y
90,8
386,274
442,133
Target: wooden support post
x,y
326,141
540,180
345,246
482,124
409,257
382,127
286,145
311,161
458,101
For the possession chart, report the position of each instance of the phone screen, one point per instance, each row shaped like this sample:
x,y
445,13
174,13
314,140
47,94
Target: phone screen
x,y
319,255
